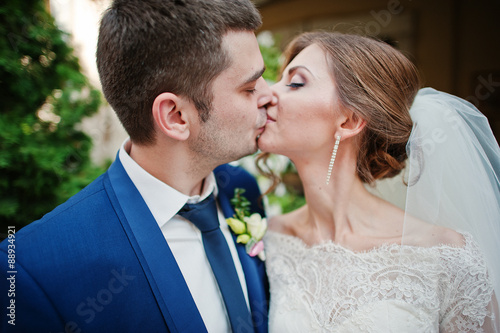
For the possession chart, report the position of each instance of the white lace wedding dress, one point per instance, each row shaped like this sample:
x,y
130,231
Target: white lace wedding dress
x,y
328,288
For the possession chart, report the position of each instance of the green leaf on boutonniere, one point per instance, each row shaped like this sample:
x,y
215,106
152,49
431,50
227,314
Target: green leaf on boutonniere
x,y
250,228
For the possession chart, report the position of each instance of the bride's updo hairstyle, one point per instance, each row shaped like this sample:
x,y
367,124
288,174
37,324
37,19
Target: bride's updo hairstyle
x,y
378,84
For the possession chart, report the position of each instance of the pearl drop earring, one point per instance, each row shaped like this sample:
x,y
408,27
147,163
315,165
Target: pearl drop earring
x,y
334,154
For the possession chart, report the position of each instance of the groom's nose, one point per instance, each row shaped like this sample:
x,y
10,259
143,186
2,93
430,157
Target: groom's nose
x,y
265,95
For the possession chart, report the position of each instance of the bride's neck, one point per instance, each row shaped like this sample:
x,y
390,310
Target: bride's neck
x,y
333,209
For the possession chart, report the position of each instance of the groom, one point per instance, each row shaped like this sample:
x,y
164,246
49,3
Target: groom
x,y
185,79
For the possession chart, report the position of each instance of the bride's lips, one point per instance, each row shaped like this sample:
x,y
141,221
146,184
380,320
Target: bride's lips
x,y
261,128
270,119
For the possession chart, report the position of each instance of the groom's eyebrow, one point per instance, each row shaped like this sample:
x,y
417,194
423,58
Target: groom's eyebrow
x,y
254,77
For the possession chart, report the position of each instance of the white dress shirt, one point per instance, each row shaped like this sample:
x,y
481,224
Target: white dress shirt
x,y
184,240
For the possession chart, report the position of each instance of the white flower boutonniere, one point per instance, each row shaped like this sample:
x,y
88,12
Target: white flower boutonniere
x,y
250,228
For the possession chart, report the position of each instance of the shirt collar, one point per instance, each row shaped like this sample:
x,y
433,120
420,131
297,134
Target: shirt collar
x,y
162,200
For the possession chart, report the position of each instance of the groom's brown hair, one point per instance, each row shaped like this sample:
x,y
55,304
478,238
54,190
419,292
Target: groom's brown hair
x,y
147,47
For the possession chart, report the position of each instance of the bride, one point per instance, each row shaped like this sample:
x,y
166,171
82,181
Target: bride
x,y
348,112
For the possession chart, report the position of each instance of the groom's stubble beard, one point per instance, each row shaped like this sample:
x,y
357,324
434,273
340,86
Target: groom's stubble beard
x,y
217,144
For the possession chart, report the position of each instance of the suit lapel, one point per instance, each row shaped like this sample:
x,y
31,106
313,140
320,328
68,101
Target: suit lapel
x,y
254,271
159,265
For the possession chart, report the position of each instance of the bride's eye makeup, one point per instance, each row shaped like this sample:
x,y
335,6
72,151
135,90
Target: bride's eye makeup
x,y
296,81
295,85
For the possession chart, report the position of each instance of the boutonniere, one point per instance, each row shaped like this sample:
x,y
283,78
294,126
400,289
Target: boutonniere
x,y
250,228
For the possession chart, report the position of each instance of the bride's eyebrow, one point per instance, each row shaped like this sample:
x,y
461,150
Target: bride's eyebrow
x,y
293,69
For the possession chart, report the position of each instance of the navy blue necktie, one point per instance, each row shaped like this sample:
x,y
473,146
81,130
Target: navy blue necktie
x,y
204,216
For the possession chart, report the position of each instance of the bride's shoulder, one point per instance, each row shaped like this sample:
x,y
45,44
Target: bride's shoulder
x,y
428,235
285,223
445,236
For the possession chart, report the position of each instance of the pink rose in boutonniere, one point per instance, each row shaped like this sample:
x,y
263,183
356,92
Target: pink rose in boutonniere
x,y
250,228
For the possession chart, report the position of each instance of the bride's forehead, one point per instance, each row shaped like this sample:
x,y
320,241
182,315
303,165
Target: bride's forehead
x,y
311,54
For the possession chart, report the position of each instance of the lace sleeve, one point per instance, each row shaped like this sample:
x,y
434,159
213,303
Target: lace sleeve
x,y
468,294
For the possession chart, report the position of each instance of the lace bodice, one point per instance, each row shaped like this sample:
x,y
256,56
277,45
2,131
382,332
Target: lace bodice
x,y
328,288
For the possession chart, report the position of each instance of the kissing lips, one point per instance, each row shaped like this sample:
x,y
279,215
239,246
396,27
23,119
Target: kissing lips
x,y
261,129
270,119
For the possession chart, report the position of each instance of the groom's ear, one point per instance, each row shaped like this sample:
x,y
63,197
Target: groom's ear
x,y
350,125
173,115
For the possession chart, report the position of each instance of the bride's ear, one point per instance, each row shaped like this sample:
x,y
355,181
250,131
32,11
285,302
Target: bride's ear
x,y
350,125
171,115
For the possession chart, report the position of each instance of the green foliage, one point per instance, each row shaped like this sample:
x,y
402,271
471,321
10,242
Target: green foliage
x,y
289,195
44,156
288,202
240,203
271,56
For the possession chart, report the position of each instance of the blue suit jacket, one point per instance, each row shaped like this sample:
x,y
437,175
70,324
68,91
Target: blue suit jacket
x,y
99,263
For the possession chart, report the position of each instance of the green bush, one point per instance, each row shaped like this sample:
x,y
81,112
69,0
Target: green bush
x,y
44,155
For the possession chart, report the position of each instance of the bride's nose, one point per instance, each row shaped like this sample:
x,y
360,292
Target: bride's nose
x,y
274,97
274,94
272,101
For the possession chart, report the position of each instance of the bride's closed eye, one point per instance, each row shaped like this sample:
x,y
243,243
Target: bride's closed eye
x,y
296,81
295,85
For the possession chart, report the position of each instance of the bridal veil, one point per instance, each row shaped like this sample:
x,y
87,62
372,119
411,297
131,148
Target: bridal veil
x,y
452,178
